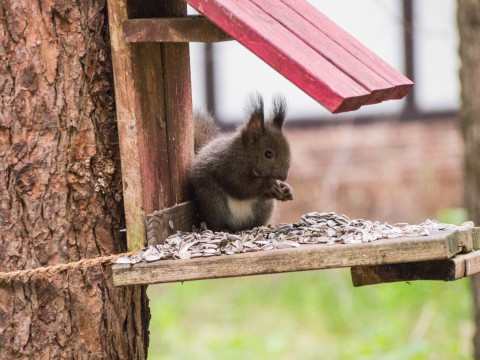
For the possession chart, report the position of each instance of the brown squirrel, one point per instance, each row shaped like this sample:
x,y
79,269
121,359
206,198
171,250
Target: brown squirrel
x,y
235,176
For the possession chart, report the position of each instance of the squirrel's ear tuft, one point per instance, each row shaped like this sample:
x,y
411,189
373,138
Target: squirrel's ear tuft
x,y
279,111
256,124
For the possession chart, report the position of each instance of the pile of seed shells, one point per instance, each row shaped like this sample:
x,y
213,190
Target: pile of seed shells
x,y
313,228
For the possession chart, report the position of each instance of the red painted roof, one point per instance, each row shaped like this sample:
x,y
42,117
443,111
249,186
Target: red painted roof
x,y
309,49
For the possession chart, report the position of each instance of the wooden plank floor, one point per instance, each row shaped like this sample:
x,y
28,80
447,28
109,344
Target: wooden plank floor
x,y
437,246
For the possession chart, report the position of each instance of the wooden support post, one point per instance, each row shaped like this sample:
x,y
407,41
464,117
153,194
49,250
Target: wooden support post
x,y
458,267
153,99
446,270
178,113
126,97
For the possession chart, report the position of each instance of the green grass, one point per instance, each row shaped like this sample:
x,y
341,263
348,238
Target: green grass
x,y
452,215
311,315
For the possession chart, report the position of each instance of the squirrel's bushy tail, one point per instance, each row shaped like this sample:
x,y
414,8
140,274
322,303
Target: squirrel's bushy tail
x,y
205,128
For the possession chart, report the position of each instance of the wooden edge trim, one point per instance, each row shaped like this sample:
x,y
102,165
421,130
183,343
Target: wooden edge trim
x,y
166,222
180,29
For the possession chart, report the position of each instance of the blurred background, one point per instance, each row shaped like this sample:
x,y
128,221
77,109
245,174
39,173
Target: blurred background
x,y
396,161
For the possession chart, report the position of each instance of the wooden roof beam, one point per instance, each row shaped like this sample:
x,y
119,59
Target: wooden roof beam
x,y
173,29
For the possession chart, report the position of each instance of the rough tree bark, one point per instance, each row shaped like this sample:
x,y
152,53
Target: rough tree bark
x,y
60,186
469,29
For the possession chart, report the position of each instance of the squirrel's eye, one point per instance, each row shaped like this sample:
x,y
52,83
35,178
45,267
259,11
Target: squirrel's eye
x,y
268,154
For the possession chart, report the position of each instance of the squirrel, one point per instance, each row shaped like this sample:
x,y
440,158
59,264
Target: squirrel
x,y
236,176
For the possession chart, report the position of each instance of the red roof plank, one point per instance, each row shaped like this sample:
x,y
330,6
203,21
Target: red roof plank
x,y
379,87
285,53
330,67
323,24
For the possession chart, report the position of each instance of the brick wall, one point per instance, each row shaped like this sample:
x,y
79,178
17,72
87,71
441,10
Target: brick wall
x,y
386,171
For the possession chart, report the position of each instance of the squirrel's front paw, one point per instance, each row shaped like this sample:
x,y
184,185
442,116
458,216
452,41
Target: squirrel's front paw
x,y
275,191
280,191
287,191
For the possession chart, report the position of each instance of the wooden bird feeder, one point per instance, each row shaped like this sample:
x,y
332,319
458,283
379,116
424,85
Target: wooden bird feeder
x,y
153,97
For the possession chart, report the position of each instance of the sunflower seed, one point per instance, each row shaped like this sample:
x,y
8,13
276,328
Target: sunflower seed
x,y
123,260
468,224
287,244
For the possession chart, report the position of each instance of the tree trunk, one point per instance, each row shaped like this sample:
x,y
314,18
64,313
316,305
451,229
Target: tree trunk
x,y
60,186
469,29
